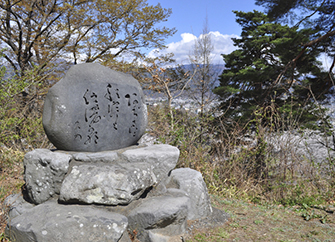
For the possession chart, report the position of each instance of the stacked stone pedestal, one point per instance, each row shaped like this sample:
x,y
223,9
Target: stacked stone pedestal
x,y
106,196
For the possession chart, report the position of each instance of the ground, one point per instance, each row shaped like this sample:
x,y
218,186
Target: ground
x,y
254,222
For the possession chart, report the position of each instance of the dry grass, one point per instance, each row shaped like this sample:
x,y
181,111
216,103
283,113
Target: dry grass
x,y
238,162
11,180
255,222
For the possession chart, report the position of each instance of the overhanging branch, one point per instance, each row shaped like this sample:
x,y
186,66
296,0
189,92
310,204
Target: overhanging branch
x,y
305,46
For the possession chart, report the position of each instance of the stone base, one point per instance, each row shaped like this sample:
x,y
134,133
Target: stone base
x,y
51,221
108,178
107,196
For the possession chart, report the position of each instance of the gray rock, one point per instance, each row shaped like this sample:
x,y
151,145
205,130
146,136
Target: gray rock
x,y
176,192
158,190
94,108
163,158
105,156
53,222
106,184
44,173
164,216
125,237
191,182
16,205
155,237
309,148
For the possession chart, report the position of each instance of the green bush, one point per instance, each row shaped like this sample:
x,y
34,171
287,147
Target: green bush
x,y
21,101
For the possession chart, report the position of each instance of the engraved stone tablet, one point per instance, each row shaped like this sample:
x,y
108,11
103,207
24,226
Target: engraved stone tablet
x,y
94,108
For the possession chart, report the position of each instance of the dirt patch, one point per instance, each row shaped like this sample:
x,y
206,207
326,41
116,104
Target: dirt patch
x,y
218,218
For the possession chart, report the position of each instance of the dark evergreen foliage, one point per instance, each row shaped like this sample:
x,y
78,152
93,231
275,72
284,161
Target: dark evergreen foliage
x,y
316,14
254,79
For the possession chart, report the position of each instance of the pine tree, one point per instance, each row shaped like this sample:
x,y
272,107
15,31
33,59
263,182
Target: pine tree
x,y
253,79
316,14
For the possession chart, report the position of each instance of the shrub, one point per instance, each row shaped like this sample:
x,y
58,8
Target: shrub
x,y
21,102
251,162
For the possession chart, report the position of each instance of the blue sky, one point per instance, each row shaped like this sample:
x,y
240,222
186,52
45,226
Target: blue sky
x,y
188,17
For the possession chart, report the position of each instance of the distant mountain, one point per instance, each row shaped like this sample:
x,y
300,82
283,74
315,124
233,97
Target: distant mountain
x,y
185,100
216,68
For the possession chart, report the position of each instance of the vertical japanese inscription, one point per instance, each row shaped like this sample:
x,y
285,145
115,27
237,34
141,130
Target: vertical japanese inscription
x,y
92,116
102,113
134,105
113,106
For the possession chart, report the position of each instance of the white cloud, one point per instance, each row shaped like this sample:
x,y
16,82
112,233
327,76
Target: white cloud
x,y
182,49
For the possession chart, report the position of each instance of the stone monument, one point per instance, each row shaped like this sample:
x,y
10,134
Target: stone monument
x,y
100,184
94,108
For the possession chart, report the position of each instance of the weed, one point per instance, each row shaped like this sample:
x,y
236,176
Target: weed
x,y
223,234
234,225
258,222
200,238
309,213
3,238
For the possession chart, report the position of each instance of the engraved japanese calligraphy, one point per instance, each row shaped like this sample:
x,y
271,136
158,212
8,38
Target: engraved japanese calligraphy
x,y
113,102
94,109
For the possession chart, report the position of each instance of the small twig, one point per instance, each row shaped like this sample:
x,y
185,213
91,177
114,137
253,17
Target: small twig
x,y
297,25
